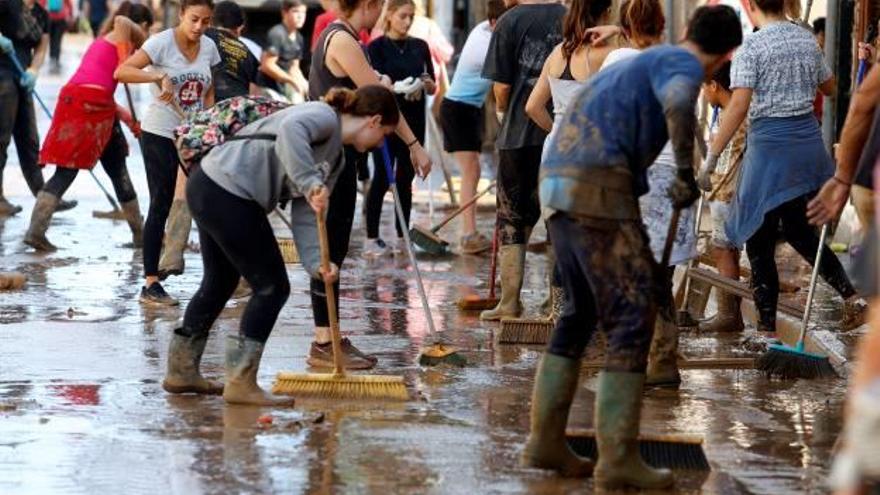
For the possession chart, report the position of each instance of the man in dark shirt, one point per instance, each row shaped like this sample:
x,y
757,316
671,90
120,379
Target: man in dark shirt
x,y
285,49
236,74
523,39
24,35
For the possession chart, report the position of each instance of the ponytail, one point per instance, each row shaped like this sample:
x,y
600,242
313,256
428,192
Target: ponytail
x,y
136,12
366,101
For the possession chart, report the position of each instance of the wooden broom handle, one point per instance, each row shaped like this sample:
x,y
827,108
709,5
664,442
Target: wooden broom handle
x,y
462,208
336,339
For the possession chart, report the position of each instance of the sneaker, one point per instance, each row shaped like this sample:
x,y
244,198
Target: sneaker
x,y
8,209
475,243
376,248
321,356
155,294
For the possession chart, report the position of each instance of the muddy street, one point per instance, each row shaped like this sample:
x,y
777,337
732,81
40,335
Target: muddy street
x,y
81,363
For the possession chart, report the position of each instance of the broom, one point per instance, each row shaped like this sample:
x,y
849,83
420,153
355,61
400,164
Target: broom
x,y
337,385
795,362
684,318
429,241
287,247
476,303
438,352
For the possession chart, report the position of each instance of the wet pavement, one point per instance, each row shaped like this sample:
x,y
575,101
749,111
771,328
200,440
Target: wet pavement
x,y
82,411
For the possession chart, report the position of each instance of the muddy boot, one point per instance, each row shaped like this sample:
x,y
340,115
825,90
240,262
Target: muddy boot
x,y
182,375
728,318
511,261
8,209
242,363
176,237
855,312
555,385
40,218
132,211
663,357
618,405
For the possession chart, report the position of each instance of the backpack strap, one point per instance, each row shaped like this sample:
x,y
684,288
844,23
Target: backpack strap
x,y
260,136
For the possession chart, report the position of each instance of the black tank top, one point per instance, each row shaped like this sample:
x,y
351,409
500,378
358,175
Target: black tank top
x,y
320,77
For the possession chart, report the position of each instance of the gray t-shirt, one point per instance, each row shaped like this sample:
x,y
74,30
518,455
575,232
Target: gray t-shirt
x,y
783,65
191,80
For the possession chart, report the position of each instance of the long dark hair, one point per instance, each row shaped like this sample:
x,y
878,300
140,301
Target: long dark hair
x,y
582,15
366,101
136,12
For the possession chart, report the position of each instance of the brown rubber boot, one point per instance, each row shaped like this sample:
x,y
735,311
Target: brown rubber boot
x,y
242,364
728,318
663,357
184,358
176,236
132,211
618,406
511,262
40,218
555,386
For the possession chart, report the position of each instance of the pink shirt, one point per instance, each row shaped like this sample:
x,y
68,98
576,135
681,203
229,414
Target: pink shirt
x,y
98,65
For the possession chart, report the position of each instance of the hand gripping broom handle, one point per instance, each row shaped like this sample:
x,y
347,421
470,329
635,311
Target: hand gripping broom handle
x,y
330,293
461,208
808,309
409,251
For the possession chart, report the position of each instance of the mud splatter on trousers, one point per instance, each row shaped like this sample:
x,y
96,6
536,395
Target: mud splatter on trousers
x,y
612,282
789,221
519,208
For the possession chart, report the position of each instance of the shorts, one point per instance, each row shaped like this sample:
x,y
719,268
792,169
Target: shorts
x,y
462,126
720,211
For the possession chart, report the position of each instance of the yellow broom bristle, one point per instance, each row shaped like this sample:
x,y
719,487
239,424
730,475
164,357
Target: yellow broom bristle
x,y
332,386
288,251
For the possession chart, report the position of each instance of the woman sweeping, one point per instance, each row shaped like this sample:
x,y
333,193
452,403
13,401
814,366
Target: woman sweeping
x,y
85,127
339,60
181,60
407,61
237,185
785,161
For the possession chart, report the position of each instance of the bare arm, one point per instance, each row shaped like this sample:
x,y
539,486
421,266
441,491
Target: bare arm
x,y
39,54
536,106
125,30
132,70
734,115
299,80
501,92
829,87
269,66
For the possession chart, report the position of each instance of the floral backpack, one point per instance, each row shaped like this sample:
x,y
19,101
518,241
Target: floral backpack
x,y
218,124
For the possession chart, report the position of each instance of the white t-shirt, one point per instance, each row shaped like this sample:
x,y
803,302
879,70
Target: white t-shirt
x,y
468,85
191,80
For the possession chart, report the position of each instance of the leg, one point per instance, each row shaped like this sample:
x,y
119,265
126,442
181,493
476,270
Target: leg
x,y
47,203
8,111
375,197
726,256
160,161
404,175
27,142
469,164
56,33
113,161
761,250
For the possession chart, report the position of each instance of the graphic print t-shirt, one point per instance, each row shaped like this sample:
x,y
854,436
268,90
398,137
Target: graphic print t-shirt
x,y
191,80
239,68
523,39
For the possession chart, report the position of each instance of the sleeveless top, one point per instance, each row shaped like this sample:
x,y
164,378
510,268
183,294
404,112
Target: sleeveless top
x,y
99,62
321,79
563,89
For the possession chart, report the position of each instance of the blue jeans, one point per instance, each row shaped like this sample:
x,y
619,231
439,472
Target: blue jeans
x,y
18,121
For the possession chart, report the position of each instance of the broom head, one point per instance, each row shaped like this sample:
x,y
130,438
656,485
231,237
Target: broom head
x,y
794,362
288,251
525,331
660,451
428,241
438,354
110,215
474,302
336,386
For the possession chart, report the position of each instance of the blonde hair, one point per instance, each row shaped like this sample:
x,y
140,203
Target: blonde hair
x,y
390,8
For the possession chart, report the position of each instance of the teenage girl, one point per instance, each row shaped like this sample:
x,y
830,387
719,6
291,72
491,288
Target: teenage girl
x,y
85,127
181,60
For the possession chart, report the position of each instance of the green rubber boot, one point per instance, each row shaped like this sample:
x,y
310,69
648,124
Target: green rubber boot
x,y
182,375
555,385
618,405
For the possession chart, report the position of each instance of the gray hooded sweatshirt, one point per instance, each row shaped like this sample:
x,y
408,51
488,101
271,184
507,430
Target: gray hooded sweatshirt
x,y
307,150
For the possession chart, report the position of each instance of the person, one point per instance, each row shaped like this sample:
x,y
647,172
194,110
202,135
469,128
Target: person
x,y
461,119
182,60
283,52
60,13
23,28
720,186
238,70
819,33
593,174
402,58
785,161
95,11
425,28
230,195
85,127
325,18
522,41
339,60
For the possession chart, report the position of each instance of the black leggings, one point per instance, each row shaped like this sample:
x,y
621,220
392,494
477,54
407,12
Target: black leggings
x,y
236,241
404,173
518,206
161,164
340,216
113,161
761,249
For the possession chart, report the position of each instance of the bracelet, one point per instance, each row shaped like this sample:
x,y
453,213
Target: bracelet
x,y
847,184
414,141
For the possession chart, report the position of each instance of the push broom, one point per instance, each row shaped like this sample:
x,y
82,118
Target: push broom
x,y
795,362
337,385
475,302
429,241
437,352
